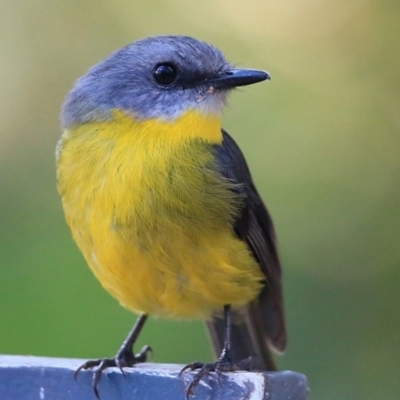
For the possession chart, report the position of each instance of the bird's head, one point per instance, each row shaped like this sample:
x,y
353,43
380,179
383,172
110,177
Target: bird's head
x,y
158,77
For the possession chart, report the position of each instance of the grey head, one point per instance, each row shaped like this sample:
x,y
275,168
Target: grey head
x,y
158,77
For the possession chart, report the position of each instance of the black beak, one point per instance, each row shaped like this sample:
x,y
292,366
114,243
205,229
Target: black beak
x,y
237,77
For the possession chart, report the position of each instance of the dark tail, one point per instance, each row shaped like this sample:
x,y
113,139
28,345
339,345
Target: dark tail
x,y
253,335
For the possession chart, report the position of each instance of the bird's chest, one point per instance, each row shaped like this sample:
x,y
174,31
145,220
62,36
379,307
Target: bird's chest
x,y
168,187
158,218
144,192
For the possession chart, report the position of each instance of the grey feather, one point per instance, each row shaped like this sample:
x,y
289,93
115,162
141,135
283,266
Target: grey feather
x,y
124,81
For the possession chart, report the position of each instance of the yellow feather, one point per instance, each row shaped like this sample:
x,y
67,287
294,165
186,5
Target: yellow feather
x,y
153,218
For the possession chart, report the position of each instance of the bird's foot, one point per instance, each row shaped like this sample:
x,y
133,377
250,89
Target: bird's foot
x,y
219,367
123,359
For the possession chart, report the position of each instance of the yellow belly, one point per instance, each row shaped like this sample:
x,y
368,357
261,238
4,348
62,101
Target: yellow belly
x,y
153,218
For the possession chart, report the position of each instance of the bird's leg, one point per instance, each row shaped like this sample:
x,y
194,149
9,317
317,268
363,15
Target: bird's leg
x,y
124,357
225,362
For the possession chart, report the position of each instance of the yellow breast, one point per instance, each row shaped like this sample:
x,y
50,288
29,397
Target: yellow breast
x,y
153,217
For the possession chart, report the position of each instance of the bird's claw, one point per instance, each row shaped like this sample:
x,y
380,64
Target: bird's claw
x,y
121,360
218,367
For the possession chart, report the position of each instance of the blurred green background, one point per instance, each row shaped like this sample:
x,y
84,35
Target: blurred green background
x,y
322,139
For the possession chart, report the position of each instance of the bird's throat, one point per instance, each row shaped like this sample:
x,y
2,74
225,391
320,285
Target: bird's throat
x,y
190,125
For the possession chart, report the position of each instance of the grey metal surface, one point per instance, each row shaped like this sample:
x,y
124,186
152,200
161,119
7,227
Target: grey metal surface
x,y
40,378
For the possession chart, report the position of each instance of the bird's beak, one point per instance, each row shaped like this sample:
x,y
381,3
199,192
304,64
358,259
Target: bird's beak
x,y
237,77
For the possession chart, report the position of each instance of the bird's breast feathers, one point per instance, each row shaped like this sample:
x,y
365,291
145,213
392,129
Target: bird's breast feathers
x,y
153,216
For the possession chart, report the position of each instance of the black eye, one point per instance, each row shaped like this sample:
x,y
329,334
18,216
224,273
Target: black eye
x,y
165,73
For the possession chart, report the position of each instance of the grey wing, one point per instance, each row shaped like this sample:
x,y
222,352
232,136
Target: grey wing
x,y
262,323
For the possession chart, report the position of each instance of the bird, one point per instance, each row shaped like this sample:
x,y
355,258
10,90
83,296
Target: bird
x,y
160,201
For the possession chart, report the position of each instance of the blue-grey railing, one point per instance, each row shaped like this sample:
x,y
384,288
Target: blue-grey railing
x,y
40,378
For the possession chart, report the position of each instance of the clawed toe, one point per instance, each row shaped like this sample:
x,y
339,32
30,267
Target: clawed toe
x,y
218,367
98,367
122,360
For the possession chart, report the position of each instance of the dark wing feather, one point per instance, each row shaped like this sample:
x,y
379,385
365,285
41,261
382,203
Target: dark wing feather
x,y
263,321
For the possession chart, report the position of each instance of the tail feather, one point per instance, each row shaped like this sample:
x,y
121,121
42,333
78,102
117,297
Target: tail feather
x,y
248,335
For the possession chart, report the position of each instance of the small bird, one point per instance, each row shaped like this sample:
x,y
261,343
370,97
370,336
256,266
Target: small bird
x,y
162,205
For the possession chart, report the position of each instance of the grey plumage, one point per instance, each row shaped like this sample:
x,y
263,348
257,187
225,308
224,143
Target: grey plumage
x,y
124,81
260,325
